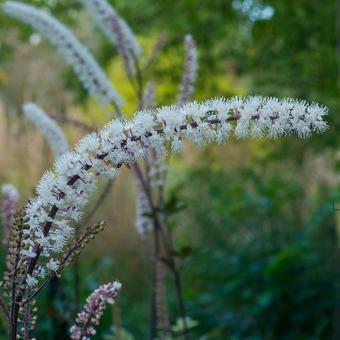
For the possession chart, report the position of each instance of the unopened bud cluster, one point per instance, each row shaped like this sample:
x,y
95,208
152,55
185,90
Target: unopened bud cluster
x,y
27,320
93,310
89,234
16,263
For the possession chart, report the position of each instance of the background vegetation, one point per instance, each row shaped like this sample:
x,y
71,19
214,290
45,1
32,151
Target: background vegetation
x,y
258,229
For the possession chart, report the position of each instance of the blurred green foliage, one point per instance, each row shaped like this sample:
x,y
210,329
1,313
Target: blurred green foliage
x,y
261,269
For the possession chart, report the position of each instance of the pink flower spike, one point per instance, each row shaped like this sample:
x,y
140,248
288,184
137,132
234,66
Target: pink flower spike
x,y
93,310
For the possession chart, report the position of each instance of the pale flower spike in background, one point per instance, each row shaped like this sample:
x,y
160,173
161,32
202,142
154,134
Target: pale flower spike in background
x,y
48,127
104,14
74,52
143,221
94,308
116,29
149,97
187,85
10,198
62,193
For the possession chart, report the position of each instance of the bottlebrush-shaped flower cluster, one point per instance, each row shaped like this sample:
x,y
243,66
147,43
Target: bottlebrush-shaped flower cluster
x,y
94,308
63,192
75,53
50,129
10,198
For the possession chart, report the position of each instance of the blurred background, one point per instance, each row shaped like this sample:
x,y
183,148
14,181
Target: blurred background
x,y
258,221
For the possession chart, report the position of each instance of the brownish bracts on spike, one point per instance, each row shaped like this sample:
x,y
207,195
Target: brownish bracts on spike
x,y
89,234
16,264
29,319
17,242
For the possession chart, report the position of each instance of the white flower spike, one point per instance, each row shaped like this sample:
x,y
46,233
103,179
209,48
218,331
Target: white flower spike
x,y
63,193
48,127
74,52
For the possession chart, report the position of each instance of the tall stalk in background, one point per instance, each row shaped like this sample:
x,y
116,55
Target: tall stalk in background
x,y
150,202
